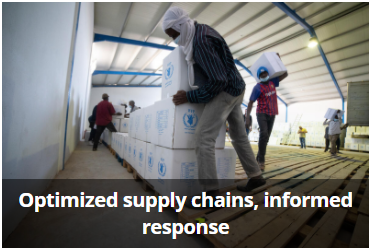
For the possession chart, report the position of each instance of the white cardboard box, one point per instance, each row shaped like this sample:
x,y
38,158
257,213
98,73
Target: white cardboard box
x,y
347,146
149,122
182,165
107,137
354,146
140,159
174,74
131,149
140,128
124,125
362,147
131,125
116,123
271,61
175,125
119,108
367,147
138,125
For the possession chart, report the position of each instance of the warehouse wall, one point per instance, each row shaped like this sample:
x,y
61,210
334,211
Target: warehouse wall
x,y
37,50
81,79
313,111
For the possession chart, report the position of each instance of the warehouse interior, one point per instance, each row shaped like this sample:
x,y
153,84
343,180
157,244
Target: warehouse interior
x,y
59,58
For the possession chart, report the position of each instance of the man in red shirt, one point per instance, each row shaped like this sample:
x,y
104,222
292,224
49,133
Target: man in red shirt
x,y
104,113
265,93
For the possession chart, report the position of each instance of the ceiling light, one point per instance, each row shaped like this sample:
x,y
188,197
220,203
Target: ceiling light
x,y
115,84
312,42
126,84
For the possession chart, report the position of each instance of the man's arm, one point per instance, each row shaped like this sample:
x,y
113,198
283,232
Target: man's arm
x,y
111,109
212,66
326,122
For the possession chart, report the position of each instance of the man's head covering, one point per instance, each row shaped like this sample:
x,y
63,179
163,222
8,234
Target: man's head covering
x,y
105,95
261,70
178,19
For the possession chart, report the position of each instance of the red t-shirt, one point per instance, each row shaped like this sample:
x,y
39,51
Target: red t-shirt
x,y
266,95
104,113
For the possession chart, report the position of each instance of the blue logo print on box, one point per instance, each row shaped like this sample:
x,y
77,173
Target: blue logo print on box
x,y
147,122
141,156
190,120
162,120
162,168
150,160
134,152
168,74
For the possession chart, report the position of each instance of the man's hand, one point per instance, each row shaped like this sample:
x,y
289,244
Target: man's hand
x,y
180,98
248,121
279,56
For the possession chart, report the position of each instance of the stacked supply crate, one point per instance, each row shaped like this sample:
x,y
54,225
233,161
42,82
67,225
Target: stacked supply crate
x,y
161,138
357,138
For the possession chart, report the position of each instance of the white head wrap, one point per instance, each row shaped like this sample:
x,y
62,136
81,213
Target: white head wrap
x,y
178,19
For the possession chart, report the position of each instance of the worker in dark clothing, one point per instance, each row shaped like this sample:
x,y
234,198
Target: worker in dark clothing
x,y
104,113
92,120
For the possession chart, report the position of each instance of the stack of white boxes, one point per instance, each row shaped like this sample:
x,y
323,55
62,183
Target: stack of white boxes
x,y
118,141
161,138
361,144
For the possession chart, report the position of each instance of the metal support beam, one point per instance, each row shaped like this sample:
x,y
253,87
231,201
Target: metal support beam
x,y
311,31
123,86
108,38
96,72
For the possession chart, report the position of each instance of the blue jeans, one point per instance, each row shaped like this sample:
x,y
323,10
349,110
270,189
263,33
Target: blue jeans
x,y
247,131
302,141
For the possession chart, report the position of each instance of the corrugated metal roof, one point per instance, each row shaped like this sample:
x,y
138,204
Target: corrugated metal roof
x,y
249,29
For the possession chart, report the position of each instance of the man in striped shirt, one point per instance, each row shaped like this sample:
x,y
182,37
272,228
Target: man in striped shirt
x,y
265,93
222,92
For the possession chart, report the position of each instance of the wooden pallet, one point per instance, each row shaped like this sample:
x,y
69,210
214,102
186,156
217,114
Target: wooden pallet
x,y
293,227
281,227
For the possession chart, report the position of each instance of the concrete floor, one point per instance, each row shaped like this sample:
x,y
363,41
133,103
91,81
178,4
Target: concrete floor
x,y
96,227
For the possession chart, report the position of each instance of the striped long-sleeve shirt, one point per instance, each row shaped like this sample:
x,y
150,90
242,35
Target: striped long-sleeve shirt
x,y
211,53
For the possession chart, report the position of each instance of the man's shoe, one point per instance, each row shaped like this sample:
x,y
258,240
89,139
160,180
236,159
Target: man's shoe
x,y
253,183
339,152
261,166
94,149
91,143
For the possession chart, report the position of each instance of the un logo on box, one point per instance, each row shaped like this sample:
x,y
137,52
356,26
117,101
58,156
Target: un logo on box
x,y
151,161
169,71
190,119
162,168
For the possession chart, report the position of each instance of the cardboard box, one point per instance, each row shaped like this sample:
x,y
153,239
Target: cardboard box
x,y
367,147
141,132
126,146
138,125
362,146
271,61
124,125
175,125
365,140
107,137
119,108
116,123
131,125
149,122
87,136
175,74
140,157
354,147
131,150
182,165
